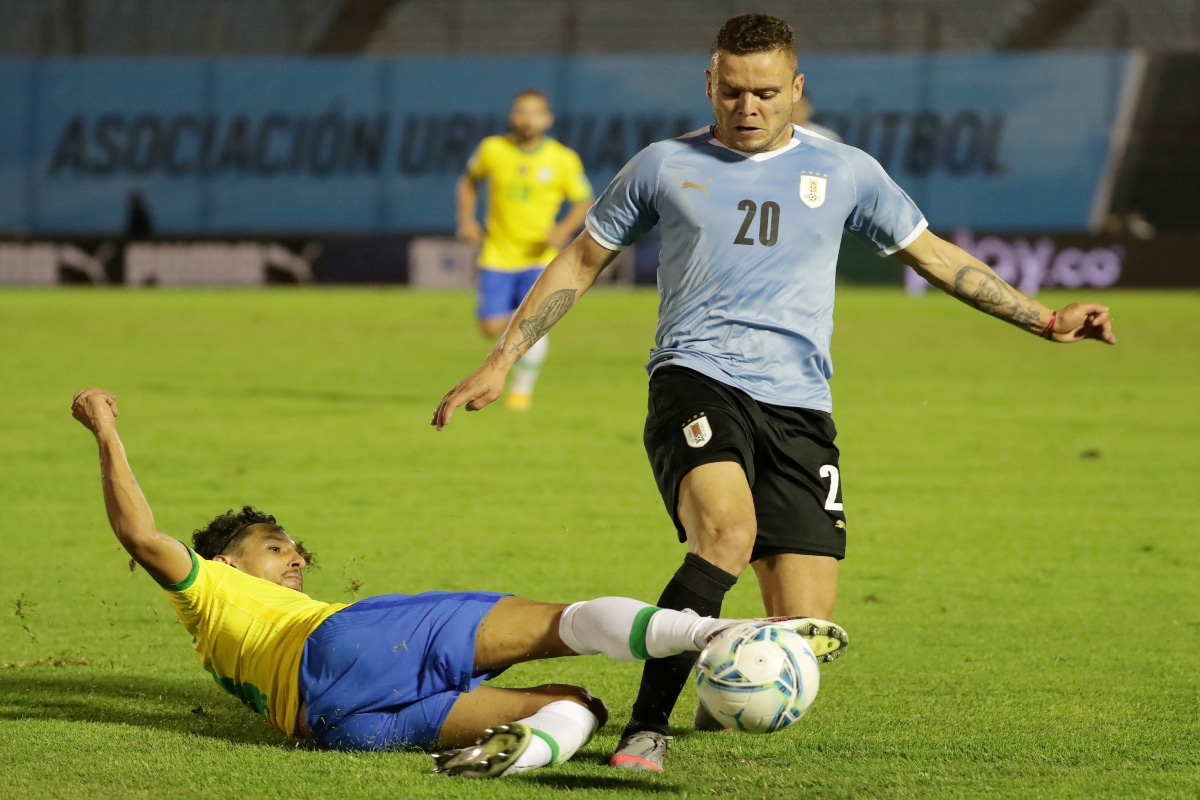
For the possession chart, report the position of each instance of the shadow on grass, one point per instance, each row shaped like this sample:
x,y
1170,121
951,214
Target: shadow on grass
x,y
627,783
187,707
625,786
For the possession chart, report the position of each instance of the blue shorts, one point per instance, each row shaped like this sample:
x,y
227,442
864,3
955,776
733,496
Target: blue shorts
x,y
501,292
383,673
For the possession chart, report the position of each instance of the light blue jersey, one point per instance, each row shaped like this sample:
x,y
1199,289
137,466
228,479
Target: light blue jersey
x,y
749,252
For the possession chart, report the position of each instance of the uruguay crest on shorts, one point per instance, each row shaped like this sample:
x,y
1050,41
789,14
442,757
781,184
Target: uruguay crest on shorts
x,y
812,190
697,431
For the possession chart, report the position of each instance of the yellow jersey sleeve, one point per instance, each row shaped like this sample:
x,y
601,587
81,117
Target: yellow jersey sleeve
x,y
526,191
477,164
576,187
249,635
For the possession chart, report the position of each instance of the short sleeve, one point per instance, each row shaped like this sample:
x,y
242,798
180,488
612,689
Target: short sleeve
x,y
187,582
627,209
884,217
477,166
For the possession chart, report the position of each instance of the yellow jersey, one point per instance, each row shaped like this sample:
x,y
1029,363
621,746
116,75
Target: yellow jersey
x,y
526,190
249,635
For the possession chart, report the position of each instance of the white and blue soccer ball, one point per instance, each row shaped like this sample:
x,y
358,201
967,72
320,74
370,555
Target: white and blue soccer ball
x,y
757,677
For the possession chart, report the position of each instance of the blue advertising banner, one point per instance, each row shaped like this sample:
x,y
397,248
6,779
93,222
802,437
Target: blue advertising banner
x,y
275,146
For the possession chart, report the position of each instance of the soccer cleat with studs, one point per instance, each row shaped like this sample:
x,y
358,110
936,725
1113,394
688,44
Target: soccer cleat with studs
x,y
490,757
827,639
641,751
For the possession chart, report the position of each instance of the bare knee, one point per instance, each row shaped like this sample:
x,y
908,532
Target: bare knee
x,y
727,546
798,585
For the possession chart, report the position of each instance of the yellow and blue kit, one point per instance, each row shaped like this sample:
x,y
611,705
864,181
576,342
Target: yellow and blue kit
x,y
526,190
378,674
249,634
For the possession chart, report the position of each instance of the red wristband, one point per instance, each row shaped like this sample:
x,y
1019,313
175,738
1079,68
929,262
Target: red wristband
x,y
1048,331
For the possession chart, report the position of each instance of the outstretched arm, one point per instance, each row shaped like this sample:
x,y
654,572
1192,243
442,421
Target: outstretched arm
x,y
959,274
164,558
569,275
466,197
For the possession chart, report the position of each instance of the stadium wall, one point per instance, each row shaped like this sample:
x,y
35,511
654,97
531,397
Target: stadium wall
x,y
1032,261
272,147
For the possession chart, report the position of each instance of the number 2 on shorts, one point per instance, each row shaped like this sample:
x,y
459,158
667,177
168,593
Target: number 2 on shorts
x,y
831,502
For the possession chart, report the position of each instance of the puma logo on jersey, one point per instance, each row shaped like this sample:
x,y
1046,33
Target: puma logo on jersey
x,y
703,188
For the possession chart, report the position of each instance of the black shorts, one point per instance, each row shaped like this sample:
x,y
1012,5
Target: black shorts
x,y
788,455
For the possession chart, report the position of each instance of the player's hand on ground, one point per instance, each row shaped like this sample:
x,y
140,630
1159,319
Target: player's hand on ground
x,y
474,391
94,408
469,230
1080,321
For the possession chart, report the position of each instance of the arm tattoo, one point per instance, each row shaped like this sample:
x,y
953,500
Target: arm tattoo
x,y
990,294
549,312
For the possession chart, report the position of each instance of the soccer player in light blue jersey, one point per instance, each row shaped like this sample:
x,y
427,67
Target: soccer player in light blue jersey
x,y
751,212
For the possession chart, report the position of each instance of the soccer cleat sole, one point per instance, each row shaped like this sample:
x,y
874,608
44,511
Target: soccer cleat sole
x,y
828,640
490,757
634,764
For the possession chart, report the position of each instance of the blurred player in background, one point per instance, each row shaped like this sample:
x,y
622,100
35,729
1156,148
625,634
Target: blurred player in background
x,y
334,672
739,430
528,175
802,116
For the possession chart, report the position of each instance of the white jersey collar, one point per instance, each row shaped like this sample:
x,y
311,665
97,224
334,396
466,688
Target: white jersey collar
x,y
755,156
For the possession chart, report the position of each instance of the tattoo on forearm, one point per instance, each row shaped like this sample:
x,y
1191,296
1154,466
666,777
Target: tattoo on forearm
x,y
549,312
990,294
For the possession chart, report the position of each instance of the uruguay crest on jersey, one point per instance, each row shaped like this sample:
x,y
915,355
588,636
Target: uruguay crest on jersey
x,y
812,190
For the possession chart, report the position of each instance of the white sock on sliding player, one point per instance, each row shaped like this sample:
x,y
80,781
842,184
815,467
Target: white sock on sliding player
x,y
630,630
559,729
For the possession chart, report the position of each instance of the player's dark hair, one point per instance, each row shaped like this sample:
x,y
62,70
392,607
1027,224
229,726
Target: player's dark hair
x,y
532,92
228,529
753,33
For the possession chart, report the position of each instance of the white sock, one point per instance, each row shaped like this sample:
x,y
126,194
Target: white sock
x,y
668,631
560,728
526,372
630,630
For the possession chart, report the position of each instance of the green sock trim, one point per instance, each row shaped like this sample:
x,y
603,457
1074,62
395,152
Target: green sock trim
x,y
548,739
637,634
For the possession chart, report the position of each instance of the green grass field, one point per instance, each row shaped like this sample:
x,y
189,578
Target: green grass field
x,y
1022,590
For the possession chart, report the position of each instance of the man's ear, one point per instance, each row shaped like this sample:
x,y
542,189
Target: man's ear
x,y
224,559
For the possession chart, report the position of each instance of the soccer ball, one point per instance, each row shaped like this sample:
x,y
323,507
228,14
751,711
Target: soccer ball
x,y
757,677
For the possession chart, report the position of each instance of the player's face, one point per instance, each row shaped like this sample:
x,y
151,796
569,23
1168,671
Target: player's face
x,y
752,98
269,553
530,117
